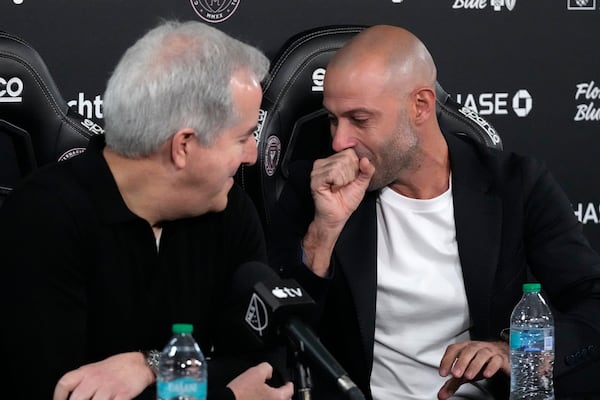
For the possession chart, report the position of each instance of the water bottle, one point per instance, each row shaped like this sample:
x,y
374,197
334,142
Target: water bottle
x,y
181,367
531,347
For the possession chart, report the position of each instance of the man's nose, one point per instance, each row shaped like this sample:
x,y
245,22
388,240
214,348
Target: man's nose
x,y
250,152
341,138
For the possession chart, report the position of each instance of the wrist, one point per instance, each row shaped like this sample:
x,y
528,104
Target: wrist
x,y
505,335
317,248
152,358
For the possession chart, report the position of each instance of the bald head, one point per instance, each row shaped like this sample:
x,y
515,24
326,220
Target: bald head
x,y
399,55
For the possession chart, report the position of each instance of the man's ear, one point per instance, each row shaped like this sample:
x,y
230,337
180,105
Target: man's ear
x,y
181,146
424,101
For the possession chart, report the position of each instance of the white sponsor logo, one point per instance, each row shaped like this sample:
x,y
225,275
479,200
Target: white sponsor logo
x,y
88,108
522,103
470,4
397,1
262,116
497,5
285,292
11,90
498,103
318,76
473,116
586,93
588,213
71,153
214,11
581,4
256,314
92,126
18,2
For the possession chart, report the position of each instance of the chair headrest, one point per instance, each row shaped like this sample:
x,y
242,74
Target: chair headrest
x,y
461,120
294,125
292,102
30,99
36,124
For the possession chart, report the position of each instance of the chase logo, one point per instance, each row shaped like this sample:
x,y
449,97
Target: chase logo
x,y
522,103
11,90
499,103
587,213
214,11
581,5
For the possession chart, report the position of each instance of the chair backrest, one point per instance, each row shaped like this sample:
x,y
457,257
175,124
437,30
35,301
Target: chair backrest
x,y
293,124
36,124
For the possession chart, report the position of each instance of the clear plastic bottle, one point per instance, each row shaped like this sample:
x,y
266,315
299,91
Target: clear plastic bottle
x,y
182,368
531,347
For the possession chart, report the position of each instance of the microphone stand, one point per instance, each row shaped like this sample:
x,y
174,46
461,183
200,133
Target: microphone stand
x,y
300,336
303,381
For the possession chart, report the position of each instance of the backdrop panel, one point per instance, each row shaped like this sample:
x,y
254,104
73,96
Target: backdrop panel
x,y
530,67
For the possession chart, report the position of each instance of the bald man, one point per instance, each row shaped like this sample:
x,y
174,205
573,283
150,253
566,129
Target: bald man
x,y
417,243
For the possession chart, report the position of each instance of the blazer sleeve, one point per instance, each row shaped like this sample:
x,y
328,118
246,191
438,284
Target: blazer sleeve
x,y
567,266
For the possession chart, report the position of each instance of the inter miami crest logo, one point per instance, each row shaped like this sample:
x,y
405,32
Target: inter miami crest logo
x,y
214,11
272,154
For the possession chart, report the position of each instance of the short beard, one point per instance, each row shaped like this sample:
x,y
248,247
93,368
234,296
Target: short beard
x,y
397,155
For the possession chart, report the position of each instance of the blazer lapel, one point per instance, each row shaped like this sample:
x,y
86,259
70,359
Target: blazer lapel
x,y
356,251
478,220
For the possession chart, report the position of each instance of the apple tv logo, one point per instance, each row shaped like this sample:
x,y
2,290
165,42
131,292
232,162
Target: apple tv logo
x,y
285,292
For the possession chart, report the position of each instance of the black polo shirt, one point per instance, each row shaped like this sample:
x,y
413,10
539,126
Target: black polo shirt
x,y
82,278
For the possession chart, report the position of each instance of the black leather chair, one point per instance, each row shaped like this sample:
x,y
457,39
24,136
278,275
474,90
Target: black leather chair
x,y
293,124
36,124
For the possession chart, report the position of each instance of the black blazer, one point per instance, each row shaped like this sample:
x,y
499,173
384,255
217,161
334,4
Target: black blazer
x,y
514,224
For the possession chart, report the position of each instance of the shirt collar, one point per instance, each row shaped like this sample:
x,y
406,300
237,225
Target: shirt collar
x,y
95,174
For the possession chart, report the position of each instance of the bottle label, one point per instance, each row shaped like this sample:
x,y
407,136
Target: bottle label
x,y
187,388
539,339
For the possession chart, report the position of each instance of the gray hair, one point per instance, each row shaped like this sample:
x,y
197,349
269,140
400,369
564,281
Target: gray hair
x,y
176,76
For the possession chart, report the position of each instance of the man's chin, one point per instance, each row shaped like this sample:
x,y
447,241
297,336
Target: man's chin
x,y
374,186
223,203
220,202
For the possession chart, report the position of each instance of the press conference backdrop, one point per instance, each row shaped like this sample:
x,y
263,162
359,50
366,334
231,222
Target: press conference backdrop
x,y
531,67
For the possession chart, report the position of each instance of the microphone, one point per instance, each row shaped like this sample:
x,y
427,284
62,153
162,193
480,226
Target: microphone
x,y
275,308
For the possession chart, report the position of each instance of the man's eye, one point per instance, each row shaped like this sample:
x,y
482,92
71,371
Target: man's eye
x,y
359,121
244,139
332,120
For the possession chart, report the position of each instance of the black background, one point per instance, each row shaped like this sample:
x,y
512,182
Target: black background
x,y
541,46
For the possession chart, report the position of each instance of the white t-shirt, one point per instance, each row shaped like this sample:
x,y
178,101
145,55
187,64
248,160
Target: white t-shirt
x,y
421,300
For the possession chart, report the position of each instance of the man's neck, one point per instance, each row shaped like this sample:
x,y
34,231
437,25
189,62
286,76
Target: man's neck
x,y
430,177
140,183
